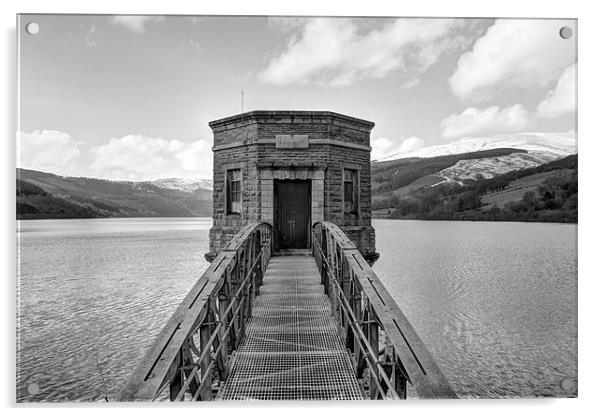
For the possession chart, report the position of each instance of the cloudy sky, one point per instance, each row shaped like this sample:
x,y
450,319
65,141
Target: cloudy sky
x,y
129,97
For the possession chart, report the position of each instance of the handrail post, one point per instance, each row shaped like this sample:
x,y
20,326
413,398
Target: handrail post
x,y
205,335
225,333
371,330
176,383
220,356
356,304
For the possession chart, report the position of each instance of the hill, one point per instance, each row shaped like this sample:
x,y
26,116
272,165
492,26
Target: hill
x,y
463,160
547,145
187,185
34,202
45,195
389,176
546,192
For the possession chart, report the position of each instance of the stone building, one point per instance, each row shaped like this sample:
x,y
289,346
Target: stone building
x,y
291,169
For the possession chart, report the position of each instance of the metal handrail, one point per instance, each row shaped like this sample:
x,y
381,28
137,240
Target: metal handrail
x,y
378,336
207,327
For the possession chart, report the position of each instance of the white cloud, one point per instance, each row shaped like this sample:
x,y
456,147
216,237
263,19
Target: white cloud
x,y
514,53
410,144
335,51
132,157
562,99
47,150
136,24
135,157
490,120
380,148
383,147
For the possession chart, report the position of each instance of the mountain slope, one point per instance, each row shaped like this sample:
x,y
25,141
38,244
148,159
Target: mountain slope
x,y
545,193
104,198
34,202
388,176
493,166
548,145
464,160
186,185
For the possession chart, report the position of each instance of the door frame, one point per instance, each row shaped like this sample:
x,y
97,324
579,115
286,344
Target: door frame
x,y
307,205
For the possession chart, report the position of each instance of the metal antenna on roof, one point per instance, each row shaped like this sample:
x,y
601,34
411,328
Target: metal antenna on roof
x,y
242,101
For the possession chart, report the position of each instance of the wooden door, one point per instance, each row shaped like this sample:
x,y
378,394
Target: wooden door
x,y
292,214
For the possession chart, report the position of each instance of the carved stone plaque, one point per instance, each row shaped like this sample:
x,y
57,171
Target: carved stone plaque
x,y
297,141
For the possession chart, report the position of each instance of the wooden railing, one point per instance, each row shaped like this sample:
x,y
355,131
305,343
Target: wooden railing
x,y
195,346
382,343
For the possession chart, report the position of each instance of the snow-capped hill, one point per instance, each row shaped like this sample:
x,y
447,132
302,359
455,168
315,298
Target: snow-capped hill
x,y
186,185
494,166
547,145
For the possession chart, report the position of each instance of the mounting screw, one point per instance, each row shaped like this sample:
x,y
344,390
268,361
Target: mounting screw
x,y
566,32
33,388
32,28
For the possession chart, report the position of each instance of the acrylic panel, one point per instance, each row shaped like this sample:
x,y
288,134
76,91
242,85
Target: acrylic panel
x,y
295,208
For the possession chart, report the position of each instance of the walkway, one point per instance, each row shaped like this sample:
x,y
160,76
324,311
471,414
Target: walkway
x,y
291,350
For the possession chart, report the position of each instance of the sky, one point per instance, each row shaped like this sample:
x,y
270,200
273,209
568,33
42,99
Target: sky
x,y
130,97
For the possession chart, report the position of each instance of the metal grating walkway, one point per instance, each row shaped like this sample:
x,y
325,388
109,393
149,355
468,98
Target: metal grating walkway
x,y
291,350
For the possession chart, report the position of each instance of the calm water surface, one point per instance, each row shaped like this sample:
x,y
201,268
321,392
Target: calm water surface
x,y
101,290
494,302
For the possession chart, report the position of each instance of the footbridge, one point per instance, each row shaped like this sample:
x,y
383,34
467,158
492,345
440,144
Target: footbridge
x,y
298,325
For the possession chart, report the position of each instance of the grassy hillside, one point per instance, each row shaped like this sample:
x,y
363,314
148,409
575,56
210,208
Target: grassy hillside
x,y
395,174
517,188
34,202
45,195
544,193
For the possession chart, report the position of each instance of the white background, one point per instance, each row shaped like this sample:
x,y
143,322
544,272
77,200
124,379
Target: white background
x,y
590,203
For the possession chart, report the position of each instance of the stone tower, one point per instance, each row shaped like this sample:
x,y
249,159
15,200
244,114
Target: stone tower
x,y
291,169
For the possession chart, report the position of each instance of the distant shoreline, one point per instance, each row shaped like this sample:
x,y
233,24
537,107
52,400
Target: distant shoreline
x,y
476,220
373,218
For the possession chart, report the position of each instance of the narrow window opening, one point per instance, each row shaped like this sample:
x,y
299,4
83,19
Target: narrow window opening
x,y
233,191
350,191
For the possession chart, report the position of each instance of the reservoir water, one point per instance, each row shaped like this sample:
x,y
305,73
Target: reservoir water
x,y
495,303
